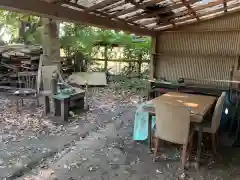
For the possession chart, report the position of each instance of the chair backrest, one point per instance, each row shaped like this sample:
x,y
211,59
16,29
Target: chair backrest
x,y
172,123
27,79
217,113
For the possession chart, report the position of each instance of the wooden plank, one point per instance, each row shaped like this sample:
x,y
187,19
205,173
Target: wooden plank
x,y
210,4
148,15
140,6
101,5
112,6
205,30
99,12
190,9
119,60
56,11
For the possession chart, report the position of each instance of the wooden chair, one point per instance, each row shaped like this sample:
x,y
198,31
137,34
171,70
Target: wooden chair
x,y
173,125
212,126
27,85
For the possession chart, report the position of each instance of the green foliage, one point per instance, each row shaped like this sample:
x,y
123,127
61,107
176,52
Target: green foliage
x,y
77,38
78,41
10,23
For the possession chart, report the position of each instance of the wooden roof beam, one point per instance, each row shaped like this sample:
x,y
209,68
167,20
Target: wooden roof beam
x,y
197,8
209,13
184,13
98,12
140,6
112,6
56,11
153,14
101,4
210,4
190,9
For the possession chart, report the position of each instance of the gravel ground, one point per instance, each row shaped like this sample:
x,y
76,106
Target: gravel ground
x,y
93,146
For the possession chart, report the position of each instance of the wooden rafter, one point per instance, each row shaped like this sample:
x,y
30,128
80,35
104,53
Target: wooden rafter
x,y
225,5
101,5
149,21
211,14
140,6
153,14
184,13
112,6
102,14
99,12
210,4
56,11
176,15
190,9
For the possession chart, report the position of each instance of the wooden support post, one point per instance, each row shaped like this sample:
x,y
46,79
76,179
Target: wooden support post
x,y
65,109
152,65
46,105
86,96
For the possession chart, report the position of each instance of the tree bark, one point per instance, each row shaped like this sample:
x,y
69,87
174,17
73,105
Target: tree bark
x,y
106,58
51,43
139,65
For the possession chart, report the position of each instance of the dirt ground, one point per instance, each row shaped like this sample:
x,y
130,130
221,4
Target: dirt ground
x,y
94,146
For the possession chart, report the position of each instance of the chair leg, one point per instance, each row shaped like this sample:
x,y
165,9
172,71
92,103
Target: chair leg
x,y
37,99
214,146
17,105
22,102
189,149
156,142
184,155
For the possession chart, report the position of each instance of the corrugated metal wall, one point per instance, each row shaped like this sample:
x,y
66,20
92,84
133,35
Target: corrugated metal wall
x,y
201,55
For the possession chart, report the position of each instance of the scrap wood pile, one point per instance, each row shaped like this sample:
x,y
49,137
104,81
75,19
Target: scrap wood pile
x,y
16,58
19,57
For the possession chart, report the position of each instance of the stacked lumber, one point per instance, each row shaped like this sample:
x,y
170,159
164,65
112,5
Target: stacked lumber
x,y
19,57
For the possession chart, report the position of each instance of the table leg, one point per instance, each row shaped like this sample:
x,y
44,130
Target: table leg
x,y
46,105
64,109
150,132
17,105
57,107
199,146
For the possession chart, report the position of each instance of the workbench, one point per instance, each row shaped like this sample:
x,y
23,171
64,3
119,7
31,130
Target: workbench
x,y
64,102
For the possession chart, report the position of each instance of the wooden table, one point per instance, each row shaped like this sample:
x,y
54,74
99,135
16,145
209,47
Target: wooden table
x,y
200,106
62,103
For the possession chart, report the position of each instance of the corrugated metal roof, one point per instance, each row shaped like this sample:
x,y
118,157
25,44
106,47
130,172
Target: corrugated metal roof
x,y
141,16
158,14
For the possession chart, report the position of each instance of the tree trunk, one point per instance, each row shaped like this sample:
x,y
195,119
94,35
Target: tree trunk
x,y
139,65
78,64
106,58
51,43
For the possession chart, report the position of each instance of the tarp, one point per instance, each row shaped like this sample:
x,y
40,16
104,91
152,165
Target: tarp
x,y
92,78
